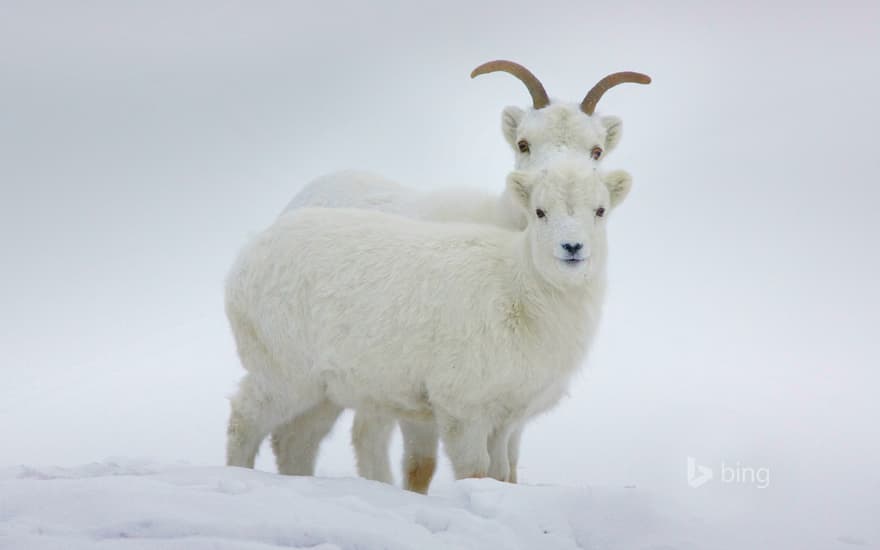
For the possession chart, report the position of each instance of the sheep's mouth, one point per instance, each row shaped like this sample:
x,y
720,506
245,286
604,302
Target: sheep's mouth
x,y
571,261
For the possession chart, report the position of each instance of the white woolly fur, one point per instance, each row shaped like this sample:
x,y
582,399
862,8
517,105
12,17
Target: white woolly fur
x,y
559,130
471,328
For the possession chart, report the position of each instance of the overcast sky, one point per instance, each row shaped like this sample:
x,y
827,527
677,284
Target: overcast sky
x,y
141,143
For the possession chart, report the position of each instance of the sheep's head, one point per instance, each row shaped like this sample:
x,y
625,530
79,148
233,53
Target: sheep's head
x,y
567,206
548,128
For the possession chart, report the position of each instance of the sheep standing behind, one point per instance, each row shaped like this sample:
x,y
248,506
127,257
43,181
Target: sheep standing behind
x,y
537,136
469,326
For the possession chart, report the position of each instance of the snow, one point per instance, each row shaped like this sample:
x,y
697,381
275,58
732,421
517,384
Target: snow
x,y
130,504
124,504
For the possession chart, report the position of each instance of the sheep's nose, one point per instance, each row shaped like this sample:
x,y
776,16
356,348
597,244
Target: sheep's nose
x,y
572,248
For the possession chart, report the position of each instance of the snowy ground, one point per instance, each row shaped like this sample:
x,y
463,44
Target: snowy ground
x,y
125,505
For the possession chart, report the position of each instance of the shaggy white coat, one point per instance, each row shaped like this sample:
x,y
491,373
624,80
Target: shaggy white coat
x,y
470,326
560,129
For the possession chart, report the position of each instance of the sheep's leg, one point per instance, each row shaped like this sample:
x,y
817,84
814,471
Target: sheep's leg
x,y
370,437
261,403
499,465
296,442
466,444
513,452
257,408
419,454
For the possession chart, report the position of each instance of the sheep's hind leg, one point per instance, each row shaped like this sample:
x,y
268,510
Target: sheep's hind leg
x,y
419,454
296,442
262,403
466,444
256,410
370,437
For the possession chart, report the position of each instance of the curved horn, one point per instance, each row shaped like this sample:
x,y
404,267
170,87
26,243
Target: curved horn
x,y
588,105
536,89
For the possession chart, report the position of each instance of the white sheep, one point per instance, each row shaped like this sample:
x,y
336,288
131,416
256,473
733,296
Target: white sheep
x,y
537,135
471,327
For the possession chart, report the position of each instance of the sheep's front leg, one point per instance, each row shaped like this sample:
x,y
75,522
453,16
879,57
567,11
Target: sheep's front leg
x,y
513,452
370,437
499,465
466,444
419,454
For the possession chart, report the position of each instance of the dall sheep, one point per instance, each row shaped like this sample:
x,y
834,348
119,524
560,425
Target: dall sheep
x,y
537,135
471,328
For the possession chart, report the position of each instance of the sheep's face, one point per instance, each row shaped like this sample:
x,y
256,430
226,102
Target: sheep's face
x,y
539,135
567,206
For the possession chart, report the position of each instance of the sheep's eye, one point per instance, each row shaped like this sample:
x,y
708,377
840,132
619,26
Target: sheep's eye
x,y
600,212
540,213
523,146
596,153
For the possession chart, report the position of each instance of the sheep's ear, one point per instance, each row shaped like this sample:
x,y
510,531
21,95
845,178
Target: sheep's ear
x,y
618,183
614,128
510,119
519,186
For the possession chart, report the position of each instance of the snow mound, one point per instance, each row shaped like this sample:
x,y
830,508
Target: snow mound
x,y
134,505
